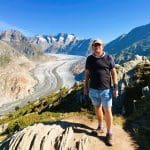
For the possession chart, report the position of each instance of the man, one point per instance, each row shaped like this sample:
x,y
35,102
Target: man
x,y
99,69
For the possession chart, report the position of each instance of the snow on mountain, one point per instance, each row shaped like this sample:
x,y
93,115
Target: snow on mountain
x,y
62,43
46,40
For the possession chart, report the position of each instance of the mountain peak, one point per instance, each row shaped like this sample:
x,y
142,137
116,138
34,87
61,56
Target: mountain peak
x,y
12,35
64,36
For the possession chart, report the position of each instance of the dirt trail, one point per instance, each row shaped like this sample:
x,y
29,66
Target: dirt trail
x,y
122,140
75,133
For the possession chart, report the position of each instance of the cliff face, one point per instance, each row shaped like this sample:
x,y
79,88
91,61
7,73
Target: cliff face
x,y
125,78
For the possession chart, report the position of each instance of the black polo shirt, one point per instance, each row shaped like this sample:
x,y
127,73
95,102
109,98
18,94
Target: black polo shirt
x,y
99,68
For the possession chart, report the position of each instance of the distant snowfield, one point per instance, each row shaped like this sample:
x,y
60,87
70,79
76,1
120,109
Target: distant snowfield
x,y
51,76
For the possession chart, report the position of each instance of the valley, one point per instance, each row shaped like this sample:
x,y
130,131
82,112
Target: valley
x,y
50,77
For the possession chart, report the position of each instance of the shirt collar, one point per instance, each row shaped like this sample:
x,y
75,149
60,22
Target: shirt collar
x,y
99,56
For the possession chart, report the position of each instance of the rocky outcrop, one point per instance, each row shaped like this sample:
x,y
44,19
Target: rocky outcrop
x,y
42,137
65,135
125,74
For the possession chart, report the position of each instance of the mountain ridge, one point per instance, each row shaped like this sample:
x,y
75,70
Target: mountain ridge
x,y
119,47
123,48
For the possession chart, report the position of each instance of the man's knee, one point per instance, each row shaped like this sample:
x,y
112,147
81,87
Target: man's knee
x,y
98,107
108,110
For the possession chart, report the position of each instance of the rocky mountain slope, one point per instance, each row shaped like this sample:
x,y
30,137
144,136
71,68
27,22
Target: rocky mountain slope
x,y
15,79
49,76
137,41
21,43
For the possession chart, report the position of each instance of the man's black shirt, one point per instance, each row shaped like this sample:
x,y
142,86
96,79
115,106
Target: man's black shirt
x,y
99,68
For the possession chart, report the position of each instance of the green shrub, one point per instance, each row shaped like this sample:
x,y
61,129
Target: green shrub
x,y
53,107
22,122
17,108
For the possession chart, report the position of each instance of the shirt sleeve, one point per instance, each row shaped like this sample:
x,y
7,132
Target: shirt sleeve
x,y
112,63
87,64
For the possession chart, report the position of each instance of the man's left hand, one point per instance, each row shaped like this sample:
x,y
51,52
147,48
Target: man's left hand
x,y
115,93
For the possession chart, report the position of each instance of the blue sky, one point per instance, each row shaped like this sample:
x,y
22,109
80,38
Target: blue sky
x,y
106,19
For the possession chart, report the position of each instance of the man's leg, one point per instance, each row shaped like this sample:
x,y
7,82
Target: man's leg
x,y
109,121
99,114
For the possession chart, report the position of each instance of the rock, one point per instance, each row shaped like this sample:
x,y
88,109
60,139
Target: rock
x,y
42,136
71,134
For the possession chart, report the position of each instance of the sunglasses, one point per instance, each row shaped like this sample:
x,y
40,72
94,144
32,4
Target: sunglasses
x,y
97,44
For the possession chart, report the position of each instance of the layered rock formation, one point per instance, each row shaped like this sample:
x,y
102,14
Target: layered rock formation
x,y
65,135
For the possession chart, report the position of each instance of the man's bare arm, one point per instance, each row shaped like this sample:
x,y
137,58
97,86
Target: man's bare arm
x,y
114,76
115,82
